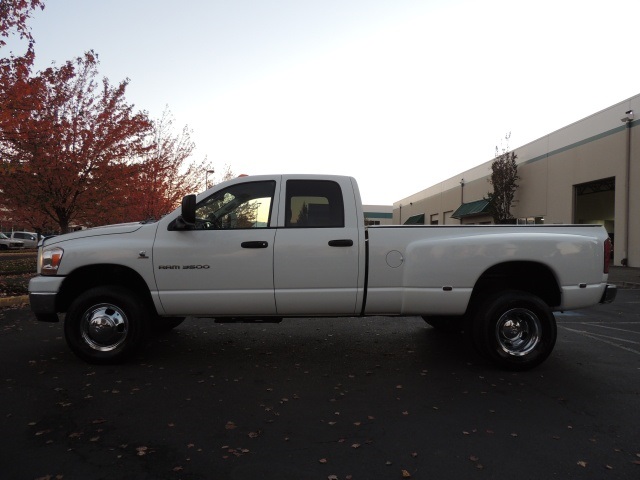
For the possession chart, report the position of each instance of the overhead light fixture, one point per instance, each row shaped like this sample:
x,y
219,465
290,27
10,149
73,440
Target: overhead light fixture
x,y
628,118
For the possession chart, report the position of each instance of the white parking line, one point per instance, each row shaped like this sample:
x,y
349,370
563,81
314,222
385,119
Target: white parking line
x,y
601,338
617,329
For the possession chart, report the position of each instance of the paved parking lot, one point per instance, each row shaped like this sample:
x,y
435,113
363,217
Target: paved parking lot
x,y
323,398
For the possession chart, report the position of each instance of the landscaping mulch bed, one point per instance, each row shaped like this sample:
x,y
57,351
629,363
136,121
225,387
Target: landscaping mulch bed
x,y
16,269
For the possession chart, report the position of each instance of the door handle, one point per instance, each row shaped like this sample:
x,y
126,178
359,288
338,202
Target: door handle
x,y
341,243
256,244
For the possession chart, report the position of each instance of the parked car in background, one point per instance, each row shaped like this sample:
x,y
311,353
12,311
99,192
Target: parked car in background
x,y
30,239
6,243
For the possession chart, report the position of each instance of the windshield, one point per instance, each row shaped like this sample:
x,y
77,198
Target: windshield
x,y
3,236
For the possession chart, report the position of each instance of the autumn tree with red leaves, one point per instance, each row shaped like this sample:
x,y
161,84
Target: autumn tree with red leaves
x,y
68,151
164,172
73,151
13,19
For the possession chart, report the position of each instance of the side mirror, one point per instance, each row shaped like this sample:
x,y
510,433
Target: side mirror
x,y
187,220
189,209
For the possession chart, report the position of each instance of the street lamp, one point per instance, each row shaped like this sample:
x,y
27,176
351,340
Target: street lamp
x,y
206,178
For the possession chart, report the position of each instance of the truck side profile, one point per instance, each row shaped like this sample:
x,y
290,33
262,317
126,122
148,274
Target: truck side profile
x,y
267,247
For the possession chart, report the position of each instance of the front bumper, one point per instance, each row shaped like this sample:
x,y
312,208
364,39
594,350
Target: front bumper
x,y
609,294
43,292
43,306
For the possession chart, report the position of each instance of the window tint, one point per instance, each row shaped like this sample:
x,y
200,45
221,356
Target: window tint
x,y
314,203
246,205
24,236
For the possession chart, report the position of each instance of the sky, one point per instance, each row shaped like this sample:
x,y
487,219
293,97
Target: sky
x,y
400,94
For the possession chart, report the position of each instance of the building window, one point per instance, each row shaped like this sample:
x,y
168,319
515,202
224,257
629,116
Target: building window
x,y
530,221
434,219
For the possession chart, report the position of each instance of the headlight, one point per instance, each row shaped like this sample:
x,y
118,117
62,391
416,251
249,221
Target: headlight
x,y
50,261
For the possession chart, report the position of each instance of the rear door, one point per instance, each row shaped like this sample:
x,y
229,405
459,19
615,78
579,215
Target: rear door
x,y
316,256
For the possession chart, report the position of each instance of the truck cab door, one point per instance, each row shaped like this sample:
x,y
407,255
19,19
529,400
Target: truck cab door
x,y
316,257
222,265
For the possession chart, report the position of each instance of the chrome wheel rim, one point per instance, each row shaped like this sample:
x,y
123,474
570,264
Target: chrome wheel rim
x,y
518,332
104,327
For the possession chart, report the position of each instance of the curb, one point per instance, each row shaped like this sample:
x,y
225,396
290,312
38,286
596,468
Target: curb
x,y
13,301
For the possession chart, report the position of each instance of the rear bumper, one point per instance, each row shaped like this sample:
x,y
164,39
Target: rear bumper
x,y
610,292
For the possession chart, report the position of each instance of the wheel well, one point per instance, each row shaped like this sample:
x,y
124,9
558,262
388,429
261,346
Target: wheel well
x,y
91,276
530,277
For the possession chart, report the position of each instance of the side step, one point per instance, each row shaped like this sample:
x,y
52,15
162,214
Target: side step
x,y
248,319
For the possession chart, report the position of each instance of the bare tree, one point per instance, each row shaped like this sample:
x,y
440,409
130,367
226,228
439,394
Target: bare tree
x,y
504,178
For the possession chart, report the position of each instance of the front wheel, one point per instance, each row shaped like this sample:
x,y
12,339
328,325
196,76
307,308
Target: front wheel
x,y
515,330
106,325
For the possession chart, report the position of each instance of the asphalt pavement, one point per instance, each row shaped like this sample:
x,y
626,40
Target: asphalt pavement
x,y
358,398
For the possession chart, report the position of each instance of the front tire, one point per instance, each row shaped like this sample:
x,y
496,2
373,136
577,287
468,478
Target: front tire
x,y
106,325
515,330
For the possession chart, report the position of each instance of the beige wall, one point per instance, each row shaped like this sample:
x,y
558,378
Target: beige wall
x,y
592,149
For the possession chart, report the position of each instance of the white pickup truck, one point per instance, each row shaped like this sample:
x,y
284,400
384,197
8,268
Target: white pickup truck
x,y
266,247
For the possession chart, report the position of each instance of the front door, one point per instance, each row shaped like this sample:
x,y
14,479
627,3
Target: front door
x,y
225,265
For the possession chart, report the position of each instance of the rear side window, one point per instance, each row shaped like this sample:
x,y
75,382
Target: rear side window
x,y
314,203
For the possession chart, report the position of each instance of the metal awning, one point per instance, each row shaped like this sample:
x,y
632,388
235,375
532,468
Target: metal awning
x,y
479,207
415,220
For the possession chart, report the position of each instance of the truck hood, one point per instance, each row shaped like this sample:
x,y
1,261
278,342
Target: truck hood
x,y
116,229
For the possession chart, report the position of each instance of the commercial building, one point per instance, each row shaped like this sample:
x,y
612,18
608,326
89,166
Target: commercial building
x,y
378,214
586,172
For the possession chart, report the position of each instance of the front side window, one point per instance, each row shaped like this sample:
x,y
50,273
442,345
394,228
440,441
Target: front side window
x,y
245,205
314,203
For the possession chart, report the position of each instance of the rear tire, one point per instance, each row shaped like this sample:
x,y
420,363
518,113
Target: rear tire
x,y
515,330
106,325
